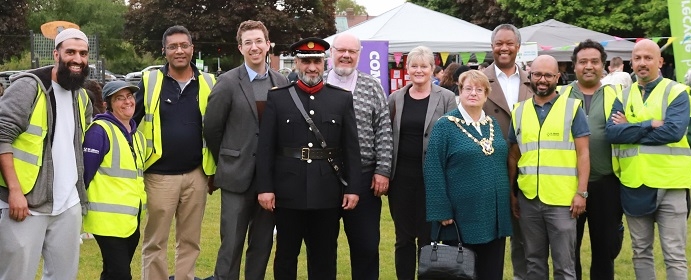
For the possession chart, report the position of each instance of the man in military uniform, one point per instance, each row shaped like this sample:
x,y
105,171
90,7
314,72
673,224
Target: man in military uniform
x,y
306,181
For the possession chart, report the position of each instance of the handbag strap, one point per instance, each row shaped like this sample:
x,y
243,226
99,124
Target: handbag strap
x,y
458,233
317,133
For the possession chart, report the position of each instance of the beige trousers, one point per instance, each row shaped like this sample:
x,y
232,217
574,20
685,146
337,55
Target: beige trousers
x,y
183,197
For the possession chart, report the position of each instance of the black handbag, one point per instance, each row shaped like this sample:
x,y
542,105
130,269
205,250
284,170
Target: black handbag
x,y
446,262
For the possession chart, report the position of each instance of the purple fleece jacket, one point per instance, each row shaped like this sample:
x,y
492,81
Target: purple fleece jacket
x,y
96,144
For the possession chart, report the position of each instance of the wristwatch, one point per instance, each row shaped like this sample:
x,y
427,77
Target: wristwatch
x,y
583,194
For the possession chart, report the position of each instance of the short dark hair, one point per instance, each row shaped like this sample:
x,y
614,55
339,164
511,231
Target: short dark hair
x,y
176,29
589,44
507,26
251,25
616,62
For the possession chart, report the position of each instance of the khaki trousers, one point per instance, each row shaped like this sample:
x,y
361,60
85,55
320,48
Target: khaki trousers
x,y
183,197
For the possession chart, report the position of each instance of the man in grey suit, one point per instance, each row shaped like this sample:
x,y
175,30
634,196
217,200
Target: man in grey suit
x,y
510,85
231,129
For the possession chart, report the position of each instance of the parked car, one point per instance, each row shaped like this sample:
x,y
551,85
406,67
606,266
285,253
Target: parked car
x,y
5,77
135,77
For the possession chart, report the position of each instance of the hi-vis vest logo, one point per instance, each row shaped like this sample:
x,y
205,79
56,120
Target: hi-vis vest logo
x,y
553,134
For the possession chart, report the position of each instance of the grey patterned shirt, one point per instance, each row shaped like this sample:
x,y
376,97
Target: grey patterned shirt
x,y
373,124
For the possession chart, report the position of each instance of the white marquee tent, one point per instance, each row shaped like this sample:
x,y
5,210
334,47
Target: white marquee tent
x,y
558,39
409,25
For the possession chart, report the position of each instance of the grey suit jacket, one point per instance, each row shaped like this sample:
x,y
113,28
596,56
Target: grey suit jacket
x,y
231,128
496,105
441,101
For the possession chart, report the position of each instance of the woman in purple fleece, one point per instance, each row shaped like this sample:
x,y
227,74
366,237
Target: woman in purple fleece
x,y
114,155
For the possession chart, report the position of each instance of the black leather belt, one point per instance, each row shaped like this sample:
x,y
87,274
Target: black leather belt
x,y
310,153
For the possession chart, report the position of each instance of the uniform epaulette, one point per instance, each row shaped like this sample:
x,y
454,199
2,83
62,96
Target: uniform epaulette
x,y
282,87
336,87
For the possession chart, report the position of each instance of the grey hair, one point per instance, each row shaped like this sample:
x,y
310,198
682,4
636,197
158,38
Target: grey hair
x,y
423,53
687,78
507,26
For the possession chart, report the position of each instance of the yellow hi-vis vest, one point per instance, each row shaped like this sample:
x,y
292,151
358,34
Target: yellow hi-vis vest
x,y
117,189
664,166
151,124
548,164
27,149
611,92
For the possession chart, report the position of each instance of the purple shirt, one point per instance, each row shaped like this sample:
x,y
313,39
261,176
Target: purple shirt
x,y
96,144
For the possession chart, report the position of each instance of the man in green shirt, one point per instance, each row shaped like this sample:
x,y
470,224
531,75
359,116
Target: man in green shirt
x,y
603,204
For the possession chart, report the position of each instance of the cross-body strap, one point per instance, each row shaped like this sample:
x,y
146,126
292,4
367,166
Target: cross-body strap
x,y
316,132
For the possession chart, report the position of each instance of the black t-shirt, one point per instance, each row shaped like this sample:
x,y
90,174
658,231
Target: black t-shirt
x,y
412,131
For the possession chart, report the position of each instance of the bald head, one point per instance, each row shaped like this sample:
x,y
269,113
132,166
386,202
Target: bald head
x,y
544,75
646,61
345,53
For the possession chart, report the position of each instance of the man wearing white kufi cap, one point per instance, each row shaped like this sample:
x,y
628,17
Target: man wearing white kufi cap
x,y
43,115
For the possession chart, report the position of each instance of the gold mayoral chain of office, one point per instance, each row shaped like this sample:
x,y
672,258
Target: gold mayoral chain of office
x,y
485,144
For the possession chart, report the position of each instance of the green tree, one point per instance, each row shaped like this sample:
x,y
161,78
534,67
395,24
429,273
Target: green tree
x,y
343,5
103,17
14,34
625,18
213,23
485,13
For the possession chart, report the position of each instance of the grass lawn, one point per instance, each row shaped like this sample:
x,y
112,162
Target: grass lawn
x,y
90,259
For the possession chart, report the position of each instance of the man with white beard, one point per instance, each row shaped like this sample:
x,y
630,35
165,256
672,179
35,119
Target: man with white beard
x,y
376,144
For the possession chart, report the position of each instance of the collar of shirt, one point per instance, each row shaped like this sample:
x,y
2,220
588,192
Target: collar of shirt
x,y
650,86
550,102
469,120
164,69
500,73
347,82
252,74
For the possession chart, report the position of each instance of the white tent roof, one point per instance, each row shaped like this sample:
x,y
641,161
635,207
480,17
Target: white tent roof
x,y
556,35
408,26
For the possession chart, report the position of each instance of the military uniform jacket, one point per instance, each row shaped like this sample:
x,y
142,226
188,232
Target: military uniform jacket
x,y
300,184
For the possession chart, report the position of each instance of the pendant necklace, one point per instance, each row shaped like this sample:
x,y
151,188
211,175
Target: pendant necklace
x,y
485,144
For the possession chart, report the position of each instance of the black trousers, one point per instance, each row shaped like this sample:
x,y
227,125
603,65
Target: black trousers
x,y
407,206
361,226
117,253
603,212
489,262
319,229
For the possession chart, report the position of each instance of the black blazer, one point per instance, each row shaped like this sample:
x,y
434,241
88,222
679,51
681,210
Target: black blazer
x,y
299,184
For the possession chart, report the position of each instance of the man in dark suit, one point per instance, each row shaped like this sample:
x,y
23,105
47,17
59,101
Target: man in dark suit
x,y
510,85
303,180
231,127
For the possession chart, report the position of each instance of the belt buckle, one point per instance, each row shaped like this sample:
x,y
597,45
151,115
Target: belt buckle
x,y
305,154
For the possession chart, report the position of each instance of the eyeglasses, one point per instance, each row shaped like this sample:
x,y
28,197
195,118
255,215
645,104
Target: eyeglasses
x,y
174,47
469,90
537,76
249,43
121,98
342,51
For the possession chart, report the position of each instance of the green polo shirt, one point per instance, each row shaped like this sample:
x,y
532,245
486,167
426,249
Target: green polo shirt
x,y
600,148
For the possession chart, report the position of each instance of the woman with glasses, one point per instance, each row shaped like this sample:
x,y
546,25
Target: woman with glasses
x,y
466,178
414,109
113,174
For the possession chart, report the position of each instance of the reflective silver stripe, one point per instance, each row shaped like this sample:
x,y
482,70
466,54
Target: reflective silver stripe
x,y
625,153
547,145
34,129
519,120
665,99
148,117
115,170
24,156
665,150
153,78
548,170
625,96
150,143
568,118
208,80
113,208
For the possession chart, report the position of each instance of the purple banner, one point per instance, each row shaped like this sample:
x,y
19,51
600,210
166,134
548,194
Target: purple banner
x,y
374,60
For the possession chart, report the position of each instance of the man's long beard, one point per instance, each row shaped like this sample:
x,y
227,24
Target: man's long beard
x,y
69,81
344,71
309,81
